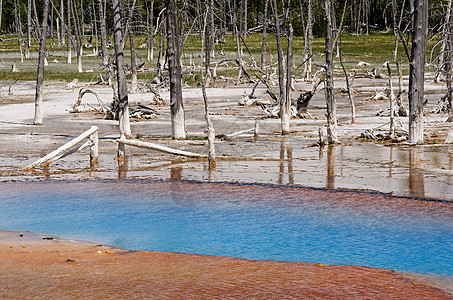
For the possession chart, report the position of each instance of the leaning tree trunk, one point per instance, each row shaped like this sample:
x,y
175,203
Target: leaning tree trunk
x,y
417,71
330,98
123,99
178,130
62,22
40,75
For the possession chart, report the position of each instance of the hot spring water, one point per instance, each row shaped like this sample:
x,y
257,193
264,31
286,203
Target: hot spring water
x,y
253,222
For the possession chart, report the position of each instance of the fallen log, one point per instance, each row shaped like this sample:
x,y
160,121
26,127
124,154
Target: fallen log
x,y
157,147
61,152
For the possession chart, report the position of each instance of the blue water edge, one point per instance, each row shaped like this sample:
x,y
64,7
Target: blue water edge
x,y
227,220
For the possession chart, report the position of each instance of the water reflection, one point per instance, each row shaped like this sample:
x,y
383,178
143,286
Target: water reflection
x,y
416,173
122,167
331,166
286,148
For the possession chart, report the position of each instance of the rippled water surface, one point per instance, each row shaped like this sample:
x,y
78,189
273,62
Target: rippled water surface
x,y
254,222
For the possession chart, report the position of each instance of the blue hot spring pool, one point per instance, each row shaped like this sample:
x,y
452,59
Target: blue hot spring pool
x,y
247,221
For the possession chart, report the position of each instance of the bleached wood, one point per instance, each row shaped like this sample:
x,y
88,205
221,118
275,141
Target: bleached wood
x,y
60,152
157,147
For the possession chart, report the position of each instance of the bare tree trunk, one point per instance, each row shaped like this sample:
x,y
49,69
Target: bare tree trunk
x,y
123,98
27,46
348,84
263,44
178,130
131,42
1,13
18,28
104,53
93,18
210,128
308,46
417,71
38,29
62,22
281,68
40,73
78,34
330,98
150,20
69,30
285,108
445,33
392,101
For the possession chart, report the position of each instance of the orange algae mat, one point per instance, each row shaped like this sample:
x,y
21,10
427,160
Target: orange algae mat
x,y
33,267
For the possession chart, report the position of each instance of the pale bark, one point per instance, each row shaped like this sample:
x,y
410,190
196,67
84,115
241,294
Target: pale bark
x,y
63,29
27,49
285,108
18,28
78,37
40,72
123,98
178,130
150,20
417,71
330,98
210,129
69,30
392,101
264,41
281,68
308,42
104,53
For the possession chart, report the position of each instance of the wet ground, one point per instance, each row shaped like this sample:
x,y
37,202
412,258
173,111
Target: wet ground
x,y
421,171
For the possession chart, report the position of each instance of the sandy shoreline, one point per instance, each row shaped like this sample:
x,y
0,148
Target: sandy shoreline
x,y
35,266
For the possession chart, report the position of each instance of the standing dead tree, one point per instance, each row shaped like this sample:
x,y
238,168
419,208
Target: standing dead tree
x,y
40,73
206,49
123,98
330,98
178,128
417,71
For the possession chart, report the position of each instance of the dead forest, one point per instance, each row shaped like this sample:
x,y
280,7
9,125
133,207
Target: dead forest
x,y
252,39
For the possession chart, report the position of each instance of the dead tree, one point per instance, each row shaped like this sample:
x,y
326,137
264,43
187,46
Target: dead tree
x,y
69,30
78,35
150,29
63,26
103,28
308,39
417,71
210,128
178,130
285,108
18,28
264,41
27,45
40,73
330,98
348,83
123,98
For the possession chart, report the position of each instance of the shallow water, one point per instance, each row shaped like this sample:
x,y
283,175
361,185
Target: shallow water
x,y
248,221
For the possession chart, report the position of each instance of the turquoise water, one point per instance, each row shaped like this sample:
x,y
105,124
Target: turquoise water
x,y
252,222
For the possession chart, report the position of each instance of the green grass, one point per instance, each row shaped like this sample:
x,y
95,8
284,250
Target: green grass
x,y
374,49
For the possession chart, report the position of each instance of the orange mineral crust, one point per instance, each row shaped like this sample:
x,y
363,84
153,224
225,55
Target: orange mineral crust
x,y
34,266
